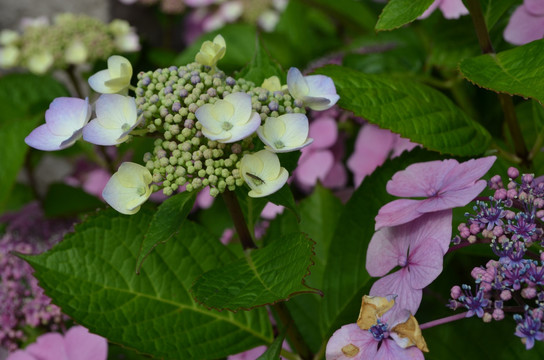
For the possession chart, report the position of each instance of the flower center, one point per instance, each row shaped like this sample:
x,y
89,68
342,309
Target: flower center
x,y
350,350
141,191
379,331
279,144
403,261
125,127
227,125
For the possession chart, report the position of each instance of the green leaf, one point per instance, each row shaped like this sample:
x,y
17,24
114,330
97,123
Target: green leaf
x,y
65,200
273,352
265,276
345,277
401,12
356,12
90,275
319,213
413,110
23,99
167,221
494,9
251,207
516,72
261,67
284,197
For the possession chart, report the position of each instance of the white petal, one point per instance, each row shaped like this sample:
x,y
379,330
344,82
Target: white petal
x,y
97,82
220,40
128,188
241,132
322,94
42,138
296,129
114,111
206,118
296,84
119,67
242,107
97,134
271,186
67,115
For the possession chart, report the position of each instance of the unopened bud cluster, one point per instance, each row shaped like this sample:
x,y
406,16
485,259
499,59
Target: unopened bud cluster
x,y
182,156
70,40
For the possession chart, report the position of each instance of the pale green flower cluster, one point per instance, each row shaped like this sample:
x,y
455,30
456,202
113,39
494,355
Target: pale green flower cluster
x,y
169,98
69,40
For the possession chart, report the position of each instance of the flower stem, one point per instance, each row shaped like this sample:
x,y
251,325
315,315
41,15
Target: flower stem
x,y
71,71
506,101
445,320
240,225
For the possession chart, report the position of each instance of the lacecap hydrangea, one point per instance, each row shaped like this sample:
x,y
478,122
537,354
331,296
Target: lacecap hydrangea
x,y
210,129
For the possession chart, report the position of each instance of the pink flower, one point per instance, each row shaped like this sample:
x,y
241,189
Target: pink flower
x,y
384,331
319,160
77,344
445,184
526,23
418,247
372,147
451,9
254,353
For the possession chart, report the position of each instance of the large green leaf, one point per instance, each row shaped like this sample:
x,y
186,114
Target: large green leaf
x,y
516,72
23,99
166,222
274,350
401,12
90,275
319,215
345,277
66,200
264,276
413,110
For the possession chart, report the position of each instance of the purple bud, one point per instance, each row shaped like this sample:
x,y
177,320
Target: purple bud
x,y
474,228
528,292
195,79
513,172
153,99
183,93
193,107
511,194
173,68
455,292
167,90
500,194
146,81
230,81
176,106
498,314
188,123
506,295
273,106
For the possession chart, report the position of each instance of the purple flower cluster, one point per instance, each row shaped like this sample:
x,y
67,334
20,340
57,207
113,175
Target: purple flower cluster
x,y
22,302
511,221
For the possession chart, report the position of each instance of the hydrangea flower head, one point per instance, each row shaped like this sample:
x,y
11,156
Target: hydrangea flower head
x,y
263,173
285,133
526,23
444,185
451,9
211,52
116,117
77,344
418,248
316,91
41,62
114,79
230,119
128,188
383,331
64,121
